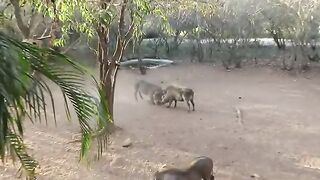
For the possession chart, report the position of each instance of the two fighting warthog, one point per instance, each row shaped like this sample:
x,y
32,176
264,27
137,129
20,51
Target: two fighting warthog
x,y
160,96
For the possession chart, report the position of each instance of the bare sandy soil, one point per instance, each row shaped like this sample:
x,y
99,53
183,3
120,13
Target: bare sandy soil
x,y
277,137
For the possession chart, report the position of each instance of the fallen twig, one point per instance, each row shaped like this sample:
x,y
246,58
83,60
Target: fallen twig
x,y
239,116
75,140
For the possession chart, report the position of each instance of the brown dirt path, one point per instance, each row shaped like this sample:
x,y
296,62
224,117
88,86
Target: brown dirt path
x,y
277,139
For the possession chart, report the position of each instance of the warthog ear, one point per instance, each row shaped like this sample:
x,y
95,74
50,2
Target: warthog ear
x,y
211,177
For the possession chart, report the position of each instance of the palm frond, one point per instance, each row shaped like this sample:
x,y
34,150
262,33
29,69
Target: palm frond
x,y
105,121
19,149
24,72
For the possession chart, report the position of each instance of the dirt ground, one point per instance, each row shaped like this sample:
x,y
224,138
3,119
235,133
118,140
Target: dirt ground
x,y
276,138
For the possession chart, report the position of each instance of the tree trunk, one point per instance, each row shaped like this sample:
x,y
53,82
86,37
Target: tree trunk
x,y
304,61
280,42
108,64
104,66
156,47
175,40
193,52
210,49
108,71
167,46
141,67
199,50
107,67
108,85
25,30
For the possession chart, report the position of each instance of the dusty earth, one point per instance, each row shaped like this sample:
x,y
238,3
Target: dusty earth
x,y
276,137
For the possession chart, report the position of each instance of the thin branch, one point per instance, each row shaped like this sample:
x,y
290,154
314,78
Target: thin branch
x,y
45,32
117,53
130,31
44,37
5,7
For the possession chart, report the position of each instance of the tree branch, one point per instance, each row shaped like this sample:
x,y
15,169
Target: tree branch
x,y
129,33
44,37
17,12
120,39
45,32
121,19
5,7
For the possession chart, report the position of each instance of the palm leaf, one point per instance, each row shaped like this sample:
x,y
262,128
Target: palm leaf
x,y
24,72
27,162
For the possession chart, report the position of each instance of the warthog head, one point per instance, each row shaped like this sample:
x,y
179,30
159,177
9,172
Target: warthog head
x,y
158,96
